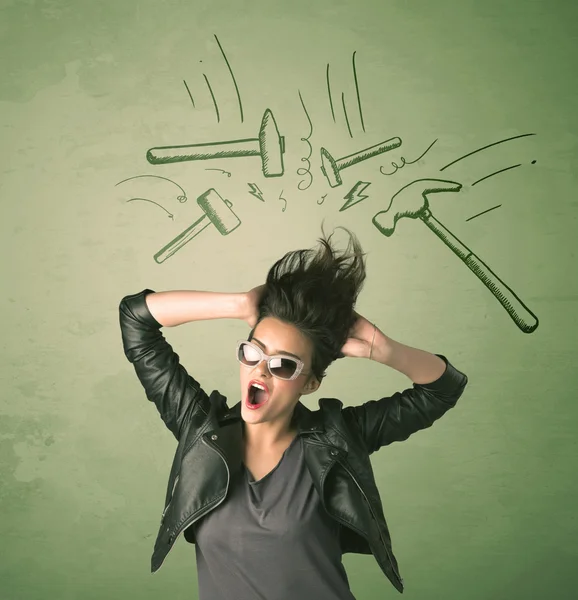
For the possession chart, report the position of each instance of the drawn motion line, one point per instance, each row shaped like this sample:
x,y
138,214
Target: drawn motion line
x,y
483,212
302,171
232,77
181,198
170,215
357,91
515,137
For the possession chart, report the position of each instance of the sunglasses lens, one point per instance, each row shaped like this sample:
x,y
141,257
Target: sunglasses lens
x,y
248,355
282,367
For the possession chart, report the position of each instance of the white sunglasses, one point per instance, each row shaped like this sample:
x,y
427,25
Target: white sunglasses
x,y
280,366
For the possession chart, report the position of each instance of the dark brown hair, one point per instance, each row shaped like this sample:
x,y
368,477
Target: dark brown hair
x,y
316,291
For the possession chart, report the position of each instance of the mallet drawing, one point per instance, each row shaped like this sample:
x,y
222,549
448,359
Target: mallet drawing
x,y
269,145
331,168
411,201
217,212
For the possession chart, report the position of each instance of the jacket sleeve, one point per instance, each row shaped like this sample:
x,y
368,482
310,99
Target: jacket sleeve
x,y
395,418
166,382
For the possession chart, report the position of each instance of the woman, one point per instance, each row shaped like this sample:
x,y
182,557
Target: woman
x,y
272,493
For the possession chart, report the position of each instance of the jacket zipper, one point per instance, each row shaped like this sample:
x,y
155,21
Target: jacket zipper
x,y
375,519
171,498
190,521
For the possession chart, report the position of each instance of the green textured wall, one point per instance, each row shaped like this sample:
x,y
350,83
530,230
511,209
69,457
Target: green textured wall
x,y
480,506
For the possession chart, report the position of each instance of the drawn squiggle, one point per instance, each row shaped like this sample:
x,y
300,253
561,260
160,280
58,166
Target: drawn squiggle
x,y
281,198
406,162
322,199
182,198
302,171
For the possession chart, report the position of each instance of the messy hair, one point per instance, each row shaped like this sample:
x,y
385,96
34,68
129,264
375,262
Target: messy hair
x,y
316,290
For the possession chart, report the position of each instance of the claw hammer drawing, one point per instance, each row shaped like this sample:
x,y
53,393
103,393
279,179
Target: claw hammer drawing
x,y
412,201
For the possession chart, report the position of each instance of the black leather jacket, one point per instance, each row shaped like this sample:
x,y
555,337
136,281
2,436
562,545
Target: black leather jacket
x,y
337,441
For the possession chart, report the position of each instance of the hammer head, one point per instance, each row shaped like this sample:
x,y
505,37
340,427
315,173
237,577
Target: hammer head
x,y
271,145
411,201
329,168
218,211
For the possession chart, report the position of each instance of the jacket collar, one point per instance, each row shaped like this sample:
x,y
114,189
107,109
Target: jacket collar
x,y
328,442
305,419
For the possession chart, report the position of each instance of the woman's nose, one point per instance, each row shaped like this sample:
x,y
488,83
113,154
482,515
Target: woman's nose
x,y
262,368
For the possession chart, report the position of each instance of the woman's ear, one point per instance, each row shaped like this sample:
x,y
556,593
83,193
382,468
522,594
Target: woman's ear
x,y
311,386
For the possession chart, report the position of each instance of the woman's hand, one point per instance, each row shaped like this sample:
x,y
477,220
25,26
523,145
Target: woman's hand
x,y
252,298
358,344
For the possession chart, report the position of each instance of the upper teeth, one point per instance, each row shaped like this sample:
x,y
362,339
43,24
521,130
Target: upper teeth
x,y
258,385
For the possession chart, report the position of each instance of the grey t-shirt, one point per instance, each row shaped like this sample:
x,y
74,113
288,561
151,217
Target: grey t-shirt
x,y
271,539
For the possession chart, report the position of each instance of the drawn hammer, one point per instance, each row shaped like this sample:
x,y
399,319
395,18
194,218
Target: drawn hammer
x,y
269,145
411,201
217,212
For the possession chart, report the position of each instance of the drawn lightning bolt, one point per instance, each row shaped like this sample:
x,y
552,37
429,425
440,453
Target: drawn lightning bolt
x,y
255,191
355,195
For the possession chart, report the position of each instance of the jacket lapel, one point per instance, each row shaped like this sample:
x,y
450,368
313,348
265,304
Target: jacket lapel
x,y
322,448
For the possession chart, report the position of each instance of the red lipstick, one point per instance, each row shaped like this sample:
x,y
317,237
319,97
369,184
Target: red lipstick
x,y
251,394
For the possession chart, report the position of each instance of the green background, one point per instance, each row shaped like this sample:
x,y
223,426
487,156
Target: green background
x,y
480,506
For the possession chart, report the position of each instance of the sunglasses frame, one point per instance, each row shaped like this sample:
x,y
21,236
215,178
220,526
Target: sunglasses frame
x,y
267,358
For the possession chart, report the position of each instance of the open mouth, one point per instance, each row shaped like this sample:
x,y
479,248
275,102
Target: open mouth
x,y
257,395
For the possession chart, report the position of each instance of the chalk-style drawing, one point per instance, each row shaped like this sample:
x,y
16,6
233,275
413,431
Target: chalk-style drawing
x,y
302,171
484,212
181,198
343,104
406,162
357,92
322,199
345,113
355,195
189,92
269,145
227,173
255,191
214,99
331,168
216,211
329,93
233,78
515,137
496,173
281,198
412,201
500,171
170,215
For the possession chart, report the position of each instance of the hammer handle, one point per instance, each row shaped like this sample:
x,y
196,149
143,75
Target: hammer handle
x,y
171,154
186,236
524,318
